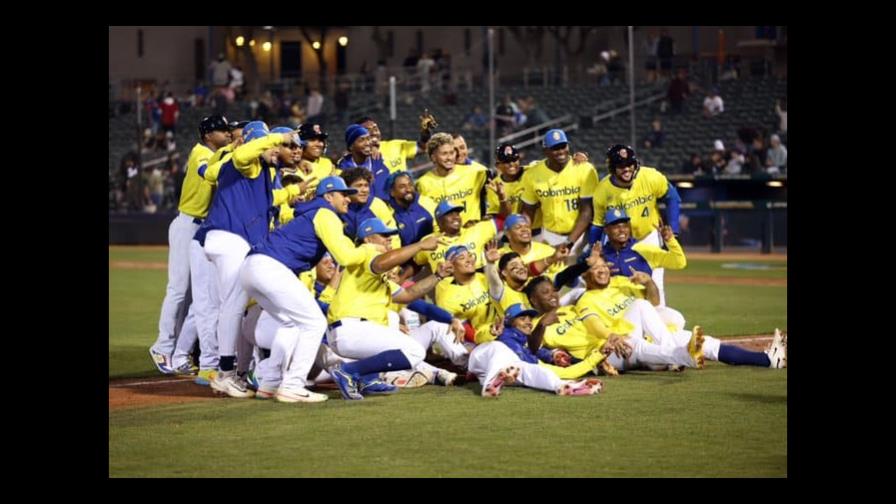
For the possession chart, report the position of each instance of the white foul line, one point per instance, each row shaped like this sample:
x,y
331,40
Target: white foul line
x,y
153,382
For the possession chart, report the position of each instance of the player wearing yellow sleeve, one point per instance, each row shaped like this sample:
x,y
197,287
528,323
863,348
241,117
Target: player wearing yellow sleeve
x,y
636,190
466,295
394,153
506,280
359,316
625,256
504,193
315,166
214,134
459,184
538,257
562,189
474,237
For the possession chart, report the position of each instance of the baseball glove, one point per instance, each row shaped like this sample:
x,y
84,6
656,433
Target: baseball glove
x,y
427,121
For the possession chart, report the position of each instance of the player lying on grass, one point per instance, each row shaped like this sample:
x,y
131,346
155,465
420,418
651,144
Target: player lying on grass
x,y
507,361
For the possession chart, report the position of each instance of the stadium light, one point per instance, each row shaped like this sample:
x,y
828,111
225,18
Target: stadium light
x,y
775,183
240,41
343,41
685,185
266,46
316,45
252,43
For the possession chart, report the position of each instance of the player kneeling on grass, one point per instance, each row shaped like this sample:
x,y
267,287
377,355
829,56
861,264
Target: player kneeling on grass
x,y
507,361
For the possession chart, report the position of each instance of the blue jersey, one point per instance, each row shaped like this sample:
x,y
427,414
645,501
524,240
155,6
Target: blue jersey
x,y
241,205
622,262
377,167
356,214
414,222
296,244
518,342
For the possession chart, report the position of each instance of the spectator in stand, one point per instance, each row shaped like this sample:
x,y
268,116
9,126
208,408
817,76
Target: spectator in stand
x,y
650,47
615,67
504,116
220,72
236,81
536,115
713,104
153,112
340,99
781,110
296,115
315,105
199,95
170,111
665,52
756,155
735,162
424,72
694,165
679,89
655,135
475,120
776,157
717,159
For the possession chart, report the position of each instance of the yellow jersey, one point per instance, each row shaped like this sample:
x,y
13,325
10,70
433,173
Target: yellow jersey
x,y
657,257
469,302
609,304
509,298
396,153
474,237
320,169
514,192
362,293
558,192
462,187
639,201
570,334
196,192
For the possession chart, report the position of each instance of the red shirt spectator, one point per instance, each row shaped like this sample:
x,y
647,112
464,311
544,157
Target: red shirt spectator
x,y
170,111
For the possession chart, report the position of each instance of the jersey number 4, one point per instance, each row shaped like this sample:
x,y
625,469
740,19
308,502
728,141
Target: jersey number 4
x,y
646,212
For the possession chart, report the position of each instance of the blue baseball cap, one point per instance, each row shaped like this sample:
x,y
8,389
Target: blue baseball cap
x,y
446,207
374,226
518,310
554,138
390,180
255,130
334,184
615,215
354,132
453,251
284,129
513,220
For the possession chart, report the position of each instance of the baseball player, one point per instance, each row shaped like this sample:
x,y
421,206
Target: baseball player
x,y
459,184
624,255
538,257
357,141
475,237
395,153
364,205
214,133
562,189
359,321
315,166
415,214
269,274
504,193
635,189
240,216
507,361
466,295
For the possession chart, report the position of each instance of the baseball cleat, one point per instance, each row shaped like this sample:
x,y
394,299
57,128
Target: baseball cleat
x,y
228,383
695,347
406,379
588,386
347,384
294,395
265,392
506,376
777,351
161,361
377,387
446,378
187,368
205,376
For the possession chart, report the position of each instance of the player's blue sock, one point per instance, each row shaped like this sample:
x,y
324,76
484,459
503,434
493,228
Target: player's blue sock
x,y
737,356
390,360
226,362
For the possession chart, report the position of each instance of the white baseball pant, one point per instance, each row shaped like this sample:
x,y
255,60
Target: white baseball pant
x,y
205,305
285,298
180,233
488,359
654,238
227,251
358,339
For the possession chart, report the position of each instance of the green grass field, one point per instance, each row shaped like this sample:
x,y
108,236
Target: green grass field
x,y
722,421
